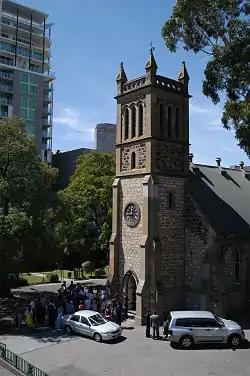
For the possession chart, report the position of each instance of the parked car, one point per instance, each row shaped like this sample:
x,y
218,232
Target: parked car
x,y
188,328
91,324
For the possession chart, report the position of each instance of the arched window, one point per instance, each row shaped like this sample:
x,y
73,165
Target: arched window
x,y
140,119
237,264
162,116
126,124
133,160
169,121
177,123
133,122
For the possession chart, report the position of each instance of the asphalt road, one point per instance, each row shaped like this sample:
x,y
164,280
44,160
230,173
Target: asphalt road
x,y
59,355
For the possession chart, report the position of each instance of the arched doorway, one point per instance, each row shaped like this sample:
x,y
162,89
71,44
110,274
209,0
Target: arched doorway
x,y
129,288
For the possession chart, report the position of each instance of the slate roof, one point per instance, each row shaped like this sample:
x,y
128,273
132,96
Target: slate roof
x,y
224,197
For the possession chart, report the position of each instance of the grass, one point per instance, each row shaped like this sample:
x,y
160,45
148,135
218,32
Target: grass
x,y
33,279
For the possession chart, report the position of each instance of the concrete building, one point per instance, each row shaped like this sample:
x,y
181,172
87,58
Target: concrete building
x,y
180,231
105,136
26,81
66,163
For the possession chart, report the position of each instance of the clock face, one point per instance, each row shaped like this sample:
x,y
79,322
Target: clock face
x,y
132,214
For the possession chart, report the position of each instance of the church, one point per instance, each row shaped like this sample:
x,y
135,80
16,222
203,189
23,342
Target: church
x,y
180,231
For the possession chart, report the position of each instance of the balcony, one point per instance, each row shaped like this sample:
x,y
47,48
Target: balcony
x,y
6,75
47,135
48,98
47,123
3,114
4,101
7,62
47,110
9,89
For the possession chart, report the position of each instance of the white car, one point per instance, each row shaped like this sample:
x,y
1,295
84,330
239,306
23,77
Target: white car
x,y
91,324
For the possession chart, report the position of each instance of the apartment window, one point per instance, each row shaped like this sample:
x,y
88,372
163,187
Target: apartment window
x,y
31,114
32,103
24,88
33,80
32,89
30,129
23,113
24,102
24,77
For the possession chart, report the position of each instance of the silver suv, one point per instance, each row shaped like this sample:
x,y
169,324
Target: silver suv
x,y
188,328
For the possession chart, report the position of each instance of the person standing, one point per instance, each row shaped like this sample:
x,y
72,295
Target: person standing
x,y
148,324
155,324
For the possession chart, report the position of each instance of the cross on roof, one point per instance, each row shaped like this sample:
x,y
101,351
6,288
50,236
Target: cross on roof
x,y
151,46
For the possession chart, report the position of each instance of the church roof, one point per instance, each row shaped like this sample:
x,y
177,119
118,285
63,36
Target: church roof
x,y
223,194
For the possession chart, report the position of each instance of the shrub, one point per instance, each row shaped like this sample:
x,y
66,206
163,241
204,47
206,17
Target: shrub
x,y
87,267
53,278
100,272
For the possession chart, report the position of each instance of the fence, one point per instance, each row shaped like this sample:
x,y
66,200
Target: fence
x,y
19,363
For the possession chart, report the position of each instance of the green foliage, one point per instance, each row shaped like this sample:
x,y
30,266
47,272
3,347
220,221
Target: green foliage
x,y
86,227
87,267
28,204
221,30
53,278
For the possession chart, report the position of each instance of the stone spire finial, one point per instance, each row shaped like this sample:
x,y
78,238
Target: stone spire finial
x,y
151,66
121,76
121,79
241,164
183,75
218,161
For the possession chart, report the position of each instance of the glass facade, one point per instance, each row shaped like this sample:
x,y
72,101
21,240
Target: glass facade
x,y
28,85
22,51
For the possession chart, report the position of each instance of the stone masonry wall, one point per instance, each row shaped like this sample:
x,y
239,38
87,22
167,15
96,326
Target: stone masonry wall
x,y
130,238
171,224
140,151
196,239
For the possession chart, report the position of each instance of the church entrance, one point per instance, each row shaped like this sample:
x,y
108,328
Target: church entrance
x,y
129,288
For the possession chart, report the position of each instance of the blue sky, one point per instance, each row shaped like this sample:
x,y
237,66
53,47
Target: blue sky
x,y
90,38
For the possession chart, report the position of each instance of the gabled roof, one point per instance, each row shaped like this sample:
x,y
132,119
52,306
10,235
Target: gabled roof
x,y
223,194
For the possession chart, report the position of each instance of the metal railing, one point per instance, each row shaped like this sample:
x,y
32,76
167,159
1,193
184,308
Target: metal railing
x,y
19,363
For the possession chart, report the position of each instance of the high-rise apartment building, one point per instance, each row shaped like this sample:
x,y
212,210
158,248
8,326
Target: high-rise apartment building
x,y
105,137
26,81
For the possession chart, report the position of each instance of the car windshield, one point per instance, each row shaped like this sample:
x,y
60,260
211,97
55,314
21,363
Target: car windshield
x,y
219,319
96,320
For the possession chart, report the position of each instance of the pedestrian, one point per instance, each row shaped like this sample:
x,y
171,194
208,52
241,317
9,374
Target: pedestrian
x,y
70,307
51,310
29,318
165,327
81,306
118,314
58,323
155,324
148,324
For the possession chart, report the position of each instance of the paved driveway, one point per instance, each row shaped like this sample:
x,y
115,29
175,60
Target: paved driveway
x,y
134,355
5,372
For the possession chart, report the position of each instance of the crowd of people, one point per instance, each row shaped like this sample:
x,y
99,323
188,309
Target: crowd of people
x,y
45,311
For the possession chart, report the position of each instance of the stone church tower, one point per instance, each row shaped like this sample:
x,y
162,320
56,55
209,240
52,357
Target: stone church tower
x,y
147,246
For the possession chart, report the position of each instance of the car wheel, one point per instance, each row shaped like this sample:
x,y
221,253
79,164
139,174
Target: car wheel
x,y
234,340
97,337
186,342
68,330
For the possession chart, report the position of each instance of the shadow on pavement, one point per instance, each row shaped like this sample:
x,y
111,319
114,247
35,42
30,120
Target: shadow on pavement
x,y
245,345
115,341
128,327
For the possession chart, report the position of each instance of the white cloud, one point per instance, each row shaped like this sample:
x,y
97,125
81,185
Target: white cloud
x,y
208,115
79,124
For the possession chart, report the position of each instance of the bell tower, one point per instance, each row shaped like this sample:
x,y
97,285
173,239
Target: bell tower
x,y
147,246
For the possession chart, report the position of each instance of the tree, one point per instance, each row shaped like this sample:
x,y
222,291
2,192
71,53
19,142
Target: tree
x,y
89,196
221,30
27,200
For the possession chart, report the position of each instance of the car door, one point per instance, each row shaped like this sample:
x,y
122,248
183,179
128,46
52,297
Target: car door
x,y
85,326
75,323
215,331
196,329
